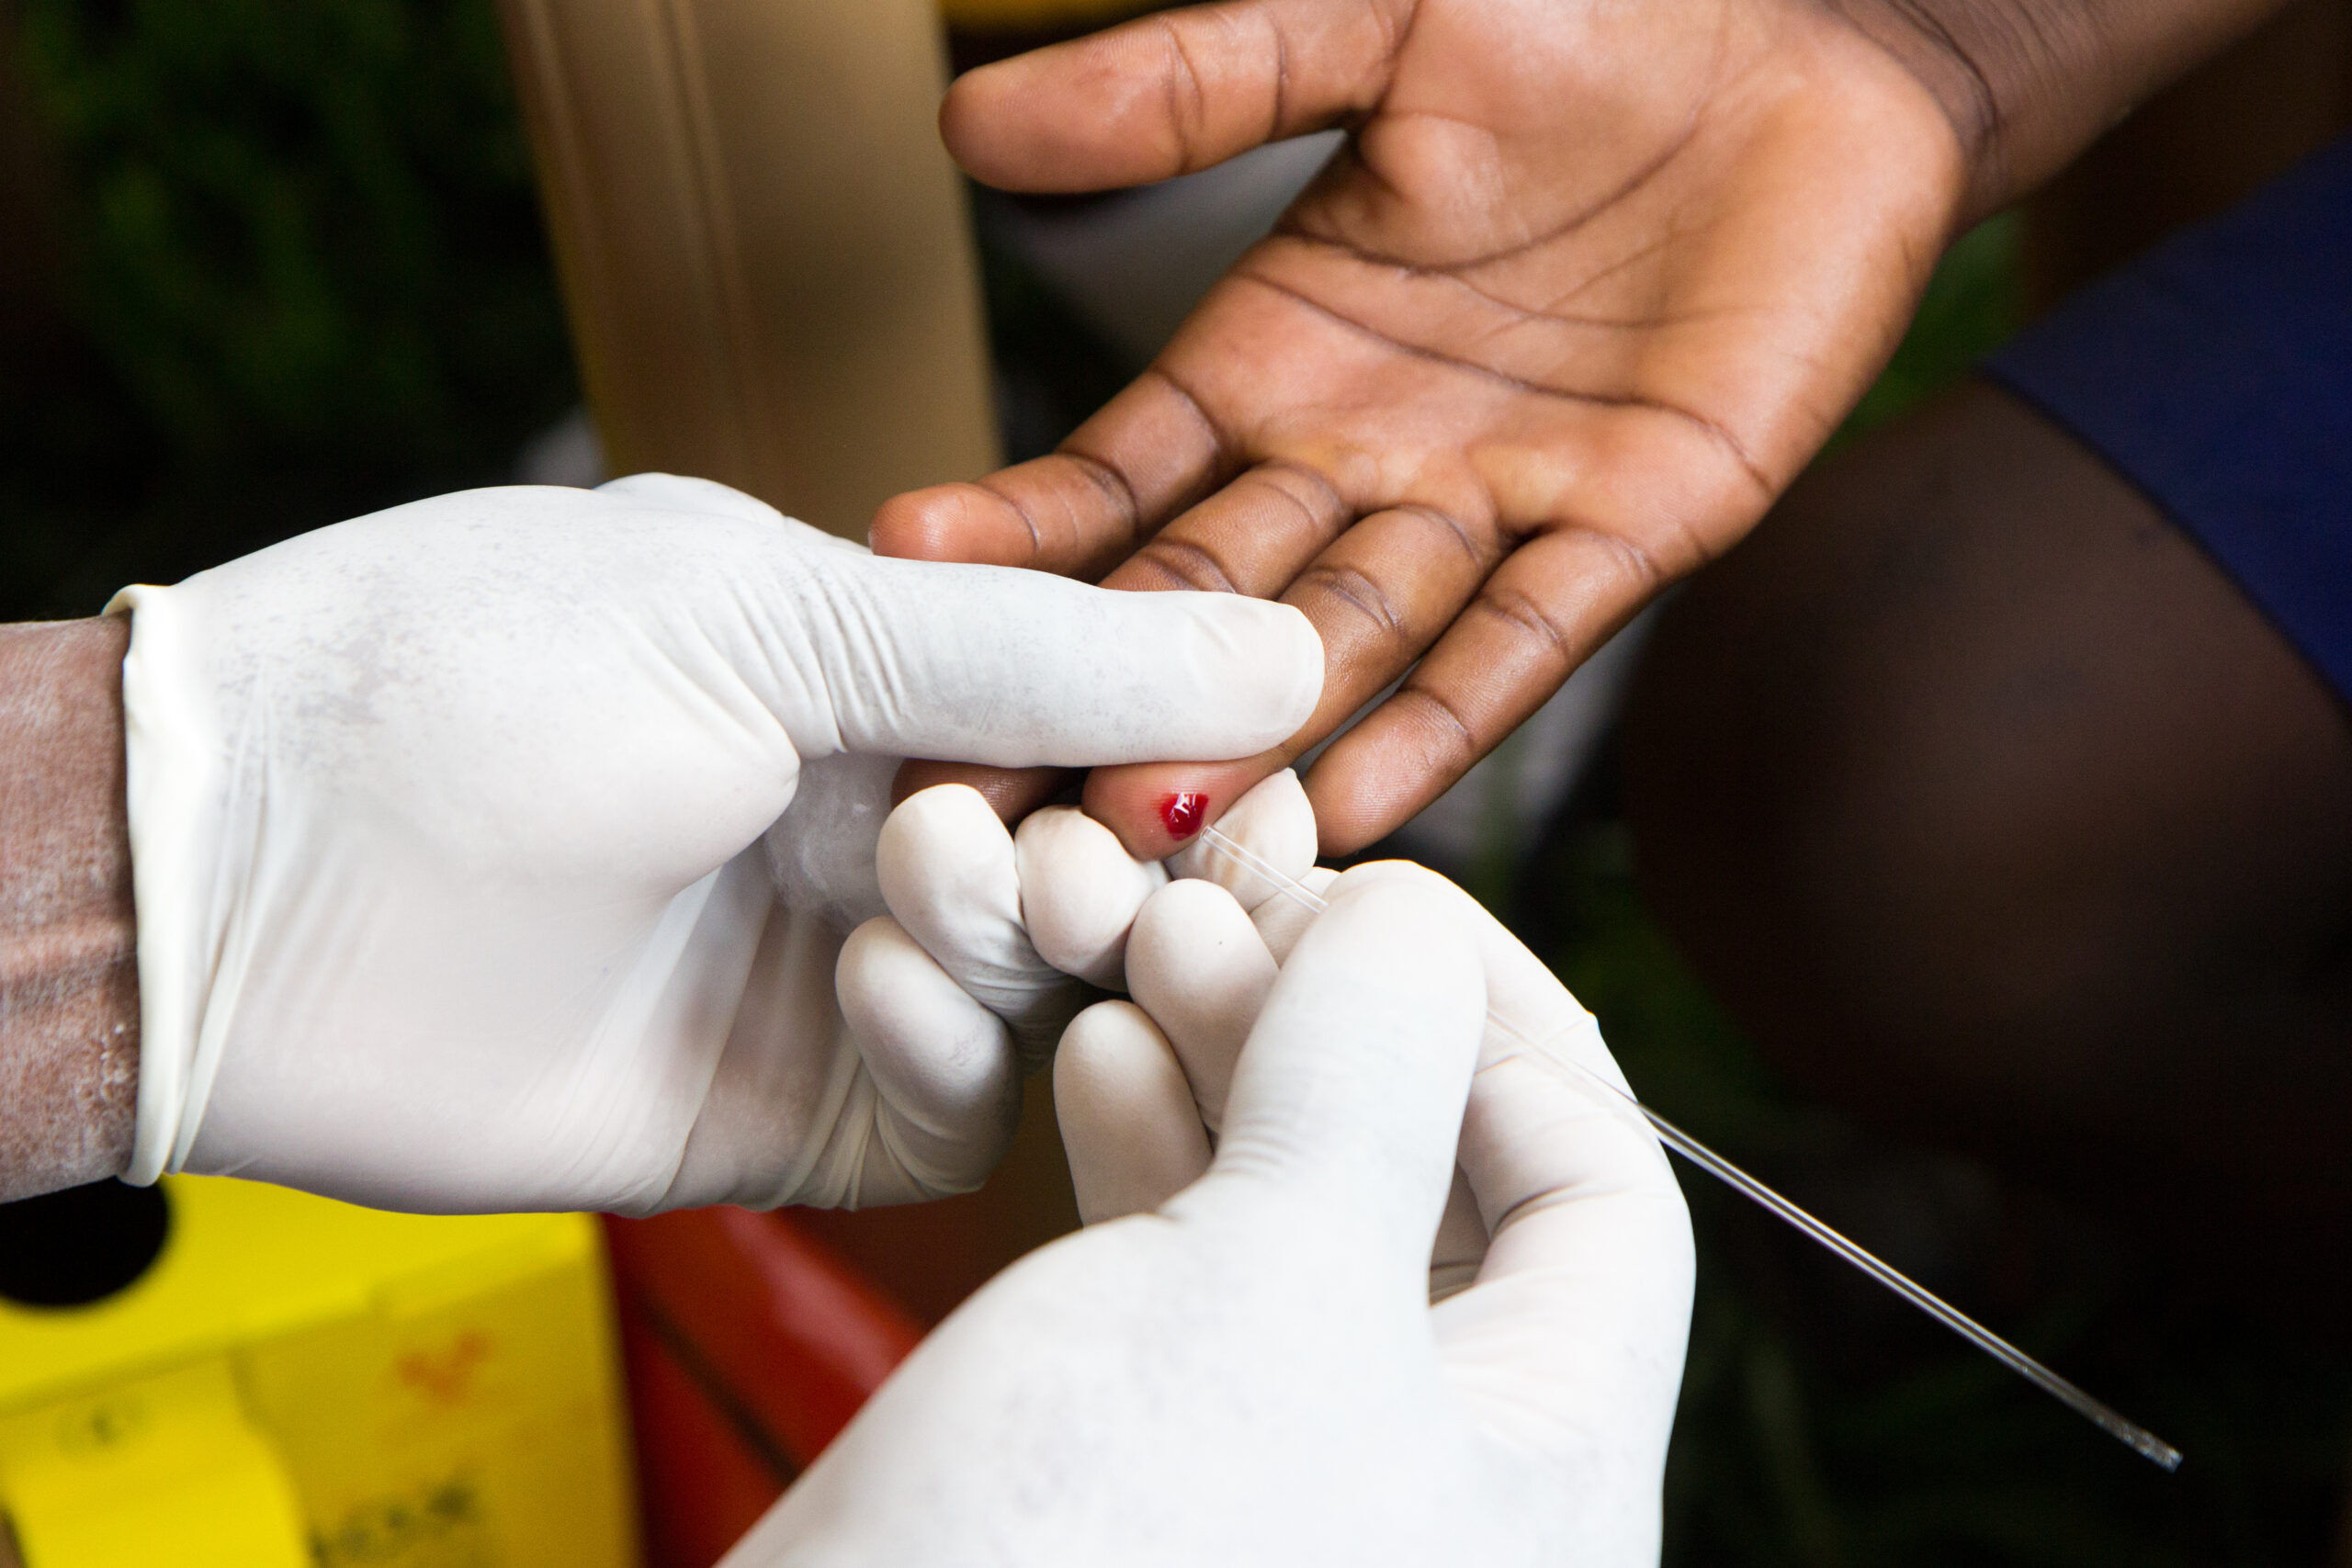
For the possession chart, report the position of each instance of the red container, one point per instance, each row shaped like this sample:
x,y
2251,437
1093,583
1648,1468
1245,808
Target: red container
x,y
749,1345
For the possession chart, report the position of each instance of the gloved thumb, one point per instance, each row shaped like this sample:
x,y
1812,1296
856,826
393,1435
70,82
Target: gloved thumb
x,y
1347,1103
1017,669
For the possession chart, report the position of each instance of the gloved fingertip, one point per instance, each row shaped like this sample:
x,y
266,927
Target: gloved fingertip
x,y
945,825
1265,660
1126,1113
1196,965
1356,1072
1079,893
946,869
941,1062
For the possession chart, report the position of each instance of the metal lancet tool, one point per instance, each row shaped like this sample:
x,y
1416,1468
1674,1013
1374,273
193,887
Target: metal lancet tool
x,y
2137,1438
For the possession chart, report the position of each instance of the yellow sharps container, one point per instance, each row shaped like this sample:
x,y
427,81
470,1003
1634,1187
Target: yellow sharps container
x,y
298,1383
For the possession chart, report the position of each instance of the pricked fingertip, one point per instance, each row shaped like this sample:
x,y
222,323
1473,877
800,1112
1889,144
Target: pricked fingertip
x,y
1156,808
1185,812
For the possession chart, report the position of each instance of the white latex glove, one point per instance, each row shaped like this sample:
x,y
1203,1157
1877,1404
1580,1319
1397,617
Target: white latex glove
x,y
1252,1375
491,853
1079,893
1139,1109
1024,924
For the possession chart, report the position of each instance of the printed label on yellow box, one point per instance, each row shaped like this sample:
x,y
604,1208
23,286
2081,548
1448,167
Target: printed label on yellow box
x,y
298,1382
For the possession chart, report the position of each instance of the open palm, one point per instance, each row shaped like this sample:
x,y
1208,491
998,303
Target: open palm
x,y
1587,285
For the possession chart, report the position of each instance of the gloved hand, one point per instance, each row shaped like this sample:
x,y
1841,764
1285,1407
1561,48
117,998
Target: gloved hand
x,y
491,853
1139,1109
1024,924
1252,1374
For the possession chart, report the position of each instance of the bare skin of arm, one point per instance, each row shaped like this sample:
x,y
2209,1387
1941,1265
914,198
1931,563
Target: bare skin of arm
x,y
1587,288
69,976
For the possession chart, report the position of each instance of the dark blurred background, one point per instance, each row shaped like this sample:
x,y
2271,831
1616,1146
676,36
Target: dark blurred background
x,y
264,264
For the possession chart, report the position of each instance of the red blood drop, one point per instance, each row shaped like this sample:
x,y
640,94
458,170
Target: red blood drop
x,y
1184,813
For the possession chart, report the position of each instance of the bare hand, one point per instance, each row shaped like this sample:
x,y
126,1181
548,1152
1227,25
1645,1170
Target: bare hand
x,y
1587,287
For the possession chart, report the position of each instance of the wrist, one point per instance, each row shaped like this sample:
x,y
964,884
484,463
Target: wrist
x,y
2029,83
69,976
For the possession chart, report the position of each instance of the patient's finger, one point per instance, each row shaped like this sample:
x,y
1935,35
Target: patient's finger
x,y
1148,454
1378,597
1541,614
1167,93
1254,536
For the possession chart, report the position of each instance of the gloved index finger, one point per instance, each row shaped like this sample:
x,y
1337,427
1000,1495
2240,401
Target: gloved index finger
x,y
1199,967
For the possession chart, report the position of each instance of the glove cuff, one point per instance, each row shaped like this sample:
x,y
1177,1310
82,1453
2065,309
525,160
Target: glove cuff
x,y
173,790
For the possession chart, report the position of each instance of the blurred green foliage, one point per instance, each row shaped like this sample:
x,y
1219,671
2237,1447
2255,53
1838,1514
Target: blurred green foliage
x,y
1973,303
303,276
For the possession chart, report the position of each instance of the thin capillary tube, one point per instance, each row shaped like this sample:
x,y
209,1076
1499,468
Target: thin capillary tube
x,y
2133,1436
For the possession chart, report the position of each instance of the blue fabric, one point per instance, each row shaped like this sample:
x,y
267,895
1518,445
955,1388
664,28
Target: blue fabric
x,y
2216,375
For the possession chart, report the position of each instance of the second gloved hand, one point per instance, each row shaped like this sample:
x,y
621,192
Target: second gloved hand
x,y
1252,1374
492,853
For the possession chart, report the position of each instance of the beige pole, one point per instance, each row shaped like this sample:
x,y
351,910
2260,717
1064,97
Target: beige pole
x,y
761,244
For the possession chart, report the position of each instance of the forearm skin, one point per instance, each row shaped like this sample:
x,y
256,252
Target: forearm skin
x,y
2029,83
69,974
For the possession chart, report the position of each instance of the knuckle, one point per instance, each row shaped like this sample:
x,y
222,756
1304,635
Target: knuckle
x,y
1308,488
1113,487
1523,615
1478,552
1445,726
1187,102
1186,564
1357,591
